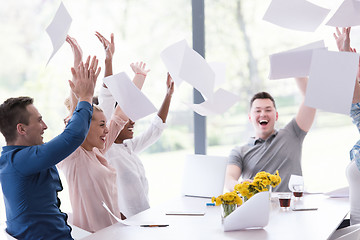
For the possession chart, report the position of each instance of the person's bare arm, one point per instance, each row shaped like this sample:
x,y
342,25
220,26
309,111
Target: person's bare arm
x,y
233,174
140,73
305,115
164,109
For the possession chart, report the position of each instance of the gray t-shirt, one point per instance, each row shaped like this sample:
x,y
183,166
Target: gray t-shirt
x,y
281,151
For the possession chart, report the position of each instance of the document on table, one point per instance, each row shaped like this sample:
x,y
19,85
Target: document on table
x,y
296,14
347,15
131,100
58,28
125,222
338,193
128,222
256,211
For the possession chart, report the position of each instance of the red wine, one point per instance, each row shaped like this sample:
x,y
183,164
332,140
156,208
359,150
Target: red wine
x,y
284,202
298,194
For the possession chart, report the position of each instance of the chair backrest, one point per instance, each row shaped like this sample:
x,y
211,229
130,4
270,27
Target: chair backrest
x,y
204,175
347,233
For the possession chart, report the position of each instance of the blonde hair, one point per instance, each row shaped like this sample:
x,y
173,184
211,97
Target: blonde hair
x,y
67,103
96,108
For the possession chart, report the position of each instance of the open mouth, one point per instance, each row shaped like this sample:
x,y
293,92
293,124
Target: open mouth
x,y
102,139
263,122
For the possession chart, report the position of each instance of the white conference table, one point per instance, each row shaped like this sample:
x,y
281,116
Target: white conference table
x,y
316,224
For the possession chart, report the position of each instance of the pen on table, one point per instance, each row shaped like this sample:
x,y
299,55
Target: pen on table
x,y
155,225
210,204
305,209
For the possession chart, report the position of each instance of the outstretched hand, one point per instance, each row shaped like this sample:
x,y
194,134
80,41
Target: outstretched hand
x,y
84,79
108,46
170,85
139,68
76,50
343,39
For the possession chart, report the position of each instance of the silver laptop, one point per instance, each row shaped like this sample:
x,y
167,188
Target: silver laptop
x,y
204,175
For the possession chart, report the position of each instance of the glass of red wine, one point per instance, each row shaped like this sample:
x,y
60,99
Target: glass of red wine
x,y
285,200
298,190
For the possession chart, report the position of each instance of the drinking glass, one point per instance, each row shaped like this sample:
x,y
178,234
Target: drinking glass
x,y
298,191
285,200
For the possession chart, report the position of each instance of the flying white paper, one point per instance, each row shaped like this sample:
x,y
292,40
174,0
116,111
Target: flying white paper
x,y
185,64
293,63
131,100
332,81
347,15
197,72
59,28
219,103
295,14
254,213
172,57
219,69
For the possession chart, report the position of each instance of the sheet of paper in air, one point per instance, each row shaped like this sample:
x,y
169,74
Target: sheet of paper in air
x,y
347,15
339,193
295,14
219,103
254,213
197,72
219,69
332,81
293,63
131,100
185,64
58,29
295,180
172,57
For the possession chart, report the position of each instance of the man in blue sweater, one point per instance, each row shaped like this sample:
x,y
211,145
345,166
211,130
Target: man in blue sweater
x,y
28,175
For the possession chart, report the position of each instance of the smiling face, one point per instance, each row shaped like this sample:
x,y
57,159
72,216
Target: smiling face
x,y
97,132
126,132
32,132
263,116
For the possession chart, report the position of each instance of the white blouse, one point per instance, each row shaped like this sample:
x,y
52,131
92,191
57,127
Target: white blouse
x,y
132,184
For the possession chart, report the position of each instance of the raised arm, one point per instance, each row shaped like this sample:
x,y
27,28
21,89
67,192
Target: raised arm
x,y
140,73
83,84
84,80
109,47
305,115
164,109
76,49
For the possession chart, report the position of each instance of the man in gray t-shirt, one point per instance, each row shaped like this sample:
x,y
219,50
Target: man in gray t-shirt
x,y
271,150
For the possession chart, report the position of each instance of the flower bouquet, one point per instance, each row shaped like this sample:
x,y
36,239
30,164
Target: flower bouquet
x,y
262,181
229,202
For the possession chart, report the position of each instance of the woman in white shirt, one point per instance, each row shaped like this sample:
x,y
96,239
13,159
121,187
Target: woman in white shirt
x,y
123,155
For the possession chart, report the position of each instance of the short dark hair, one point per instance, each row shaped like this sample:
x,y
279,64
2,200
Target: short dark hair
x,y
262,95
12,112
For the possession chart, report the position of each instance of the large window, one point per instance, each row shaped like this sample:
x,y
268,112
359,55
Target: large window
x,y
235,34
